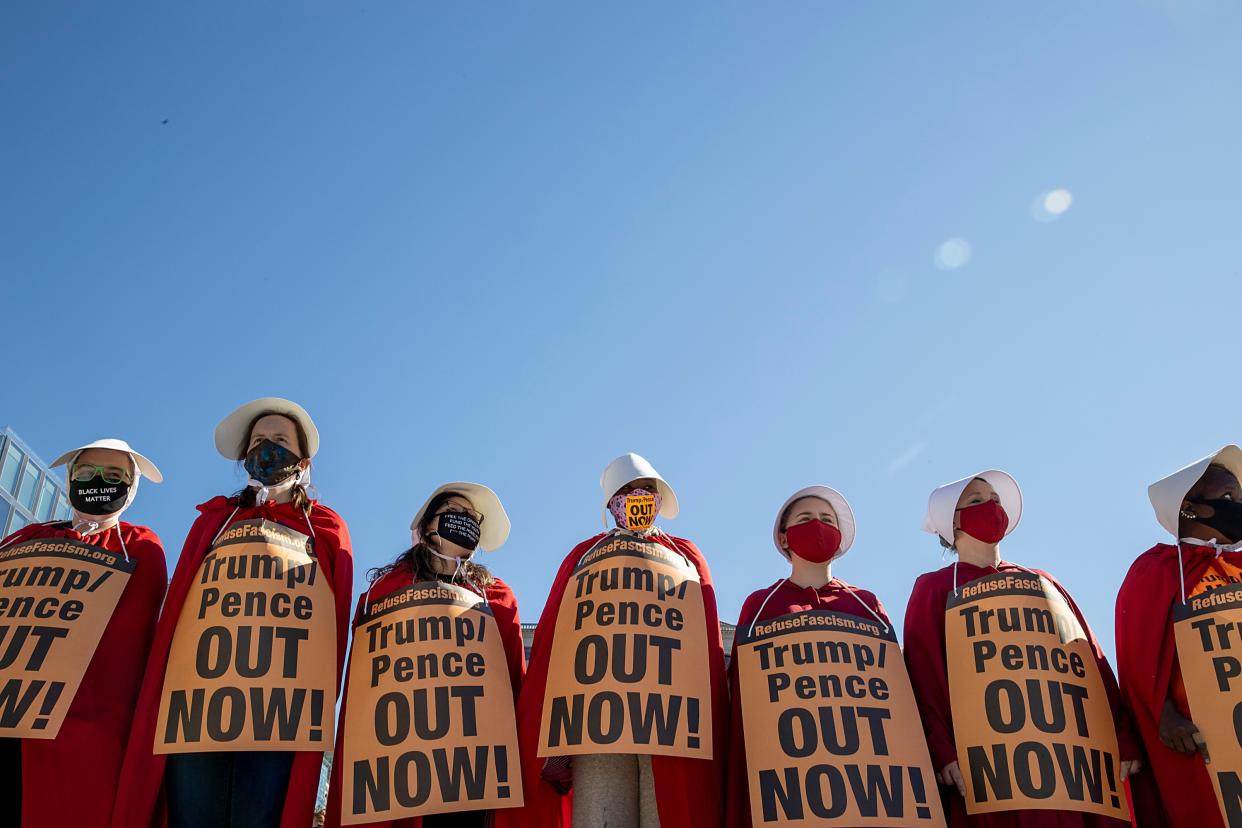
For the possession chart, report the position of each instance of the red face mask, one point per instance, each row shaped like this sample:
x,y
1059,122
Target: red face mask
x,y
813,541
984,521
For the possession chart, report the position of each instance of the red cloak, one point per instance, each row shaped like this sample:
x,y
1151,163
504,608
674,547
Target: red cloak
x,y
140,800
1147,664
504,609
688,791
87,753
786,598
929,674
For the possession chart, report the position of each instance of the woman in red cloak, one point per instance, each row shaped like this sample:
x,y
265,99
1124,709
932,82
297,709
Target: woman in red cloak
x,y
444,552
88,751
971,516
276,440
813,528
1201,506
629,790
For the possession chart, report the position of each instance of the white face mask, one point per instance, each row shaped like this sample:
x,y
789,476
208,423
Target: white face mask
x,y
459,564
264,493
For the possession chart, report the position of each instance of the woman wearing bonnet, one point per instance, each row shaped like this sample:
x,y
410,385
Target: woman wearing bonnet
x,y
971,517
90,746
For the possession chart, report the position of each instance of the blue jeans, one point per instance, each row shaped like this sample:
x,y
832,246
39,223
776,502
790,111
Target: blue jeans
x,y
226,790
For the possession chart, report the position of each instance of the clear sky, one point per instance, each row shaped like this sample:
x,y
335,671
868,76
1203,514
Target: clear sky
x,y
508,242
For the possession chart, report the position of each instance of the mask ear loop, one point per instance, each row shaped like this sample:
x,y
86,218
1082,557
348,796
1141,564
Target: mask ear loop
x,y
224,525
121,540
1181,570
671,544
865,606
309,525
759,612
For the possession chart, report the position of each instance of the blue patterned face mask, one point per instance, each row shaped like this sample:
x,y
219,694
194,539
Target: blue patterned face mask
x,y
636,509
271,463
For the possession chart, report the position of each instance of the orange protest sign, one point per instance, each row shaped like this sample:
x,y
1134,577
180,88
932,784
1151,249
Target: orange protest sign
x,y
833,736
1207,629
628,672
430,727
56,598
639,512
253,660
1031,718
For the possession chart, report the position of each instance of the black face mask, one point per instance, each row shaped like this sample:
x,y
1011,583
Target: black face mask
x,y
270,463
1226,518
98,497
460,529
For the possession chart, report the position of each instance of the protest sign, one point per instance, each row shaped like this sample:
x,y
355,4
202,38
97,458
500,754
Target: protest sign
x,y
832,732
628,672
56,599
253,660
430,726
1031,718
1207,629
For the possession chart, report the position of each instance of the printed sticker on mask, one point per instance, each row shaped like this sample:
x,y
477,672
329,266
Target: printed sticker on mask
x,y
639,511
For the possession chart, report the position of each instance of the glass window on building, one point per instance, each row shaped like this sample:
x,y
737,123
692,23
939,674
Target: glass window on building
x,y
16,522
28,488
47,499
4,515
8,468
62,508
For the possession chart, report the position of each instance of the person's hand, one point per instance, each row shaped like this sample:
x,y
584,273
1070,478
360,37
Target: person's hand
x,y
1180,734
951,774
1129,767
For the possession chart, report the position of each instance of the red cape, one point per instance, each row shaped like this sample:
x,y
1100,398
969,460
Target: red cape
x,y
929,673
504,608
785,598
140,800
688,791
1146,661
88,751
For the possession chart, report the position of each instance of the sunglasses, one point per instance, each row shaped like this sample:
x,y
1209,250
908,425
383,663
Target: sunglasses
x,y
457,510
83,473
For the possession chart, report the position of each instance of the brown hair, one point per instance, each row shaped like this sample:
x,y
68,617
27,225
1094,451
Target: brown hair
x,y
248,497
419,561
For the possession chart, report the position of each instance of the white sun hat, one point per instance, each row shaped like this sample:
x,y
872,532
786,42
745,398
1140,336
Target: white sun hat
x,y
942,504
234,429
145,467
845,516
630,467
494,530
1167,494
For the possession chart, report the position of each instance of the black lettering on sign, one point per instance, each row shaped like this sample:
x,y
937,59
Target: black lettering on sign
x,y
801,733
1008,705
397,714
15,700
1039,770
592,661
17,638
1231,793
652,718
217,651
827,790
989,773
274,714
460,774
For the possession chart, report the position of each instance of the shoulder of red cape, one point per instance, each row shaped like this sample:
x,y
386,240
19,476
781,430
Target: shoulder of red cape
x,y
1161,561
319,512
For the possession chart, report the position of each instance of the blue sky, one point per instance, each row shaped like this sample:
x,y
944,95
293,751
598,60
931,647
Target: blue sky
x,y
509,242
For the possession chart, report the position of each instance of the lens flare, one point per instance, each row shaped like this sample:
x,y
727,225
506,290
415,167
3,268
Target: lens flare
x,y
952,254
1051,205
